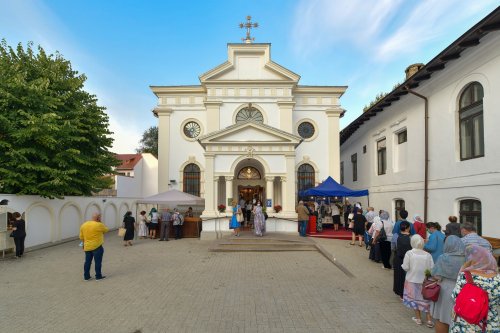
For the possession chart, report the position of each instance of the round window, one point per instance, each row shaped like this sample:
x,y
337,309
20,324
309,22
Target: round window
x,y
249,114
192,129
306,130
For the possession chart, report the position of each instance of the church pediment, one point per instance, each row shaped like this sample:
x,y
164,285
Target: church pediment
x,y
249,62
251,133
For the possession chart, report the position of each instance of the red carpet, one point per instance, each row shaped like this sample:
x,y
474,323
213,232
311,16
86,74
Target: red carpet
x,y
330,233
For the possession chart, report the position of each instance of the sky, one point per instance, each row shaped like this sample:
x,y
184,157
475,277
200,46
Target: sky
x,y
124,46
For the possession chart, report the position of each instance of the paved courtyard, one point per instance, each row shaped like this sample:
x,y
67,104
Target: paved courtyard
x,y
178,286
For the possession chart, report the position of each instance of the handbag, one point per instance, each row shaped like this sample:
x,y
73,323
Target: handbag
x,y
12,234
239,217
121,232
351,225
431,289
382,235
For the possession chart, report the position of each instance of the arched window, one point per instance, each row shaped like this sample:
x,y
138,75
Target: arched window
x,y
249,173
470,211
191,179
305,177
249,113
399,205
470,114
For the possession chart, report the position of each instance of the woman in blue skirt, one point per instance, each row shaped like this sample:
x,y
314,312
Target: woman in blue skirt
x,y
233,223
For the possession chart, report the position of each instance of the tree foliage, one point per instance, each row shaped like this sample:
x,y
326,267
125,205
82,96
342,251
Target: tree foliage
x,y
149,141
54,138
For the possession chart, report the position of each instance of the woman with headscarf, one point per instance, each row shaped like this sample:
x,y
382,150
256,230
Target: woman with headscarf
x,y
385,244
375,246
153,223
484,270
419,226
259,219
435,243
446,272
402,246
129,225
415,263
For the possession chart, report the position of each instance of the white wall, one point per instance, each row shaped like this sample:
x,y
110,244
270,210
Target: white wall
x,y
145,181
49,221
450,179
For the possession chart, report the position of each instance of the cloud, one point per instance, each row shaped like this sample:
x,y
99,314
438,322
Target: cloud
x,y
126,136
321,24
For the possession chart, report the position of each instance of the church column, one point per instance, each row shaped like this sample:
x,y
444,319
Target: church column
x,y
216,192
334,142
288,196
163,115
229,191
270,193
209,184
286,119
284,203
213,115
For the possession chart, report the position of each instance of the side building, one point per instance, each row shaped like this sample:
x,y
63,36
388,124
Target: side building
x,y
432,144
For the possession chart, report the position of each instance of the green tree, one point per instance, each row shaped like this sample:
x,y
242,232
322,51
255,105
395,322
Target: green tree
x,y
149,141
54,138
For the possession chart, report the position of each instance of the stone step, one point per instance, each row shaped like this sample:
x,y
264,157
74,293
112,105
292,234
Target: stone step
x,y
259,246
260,249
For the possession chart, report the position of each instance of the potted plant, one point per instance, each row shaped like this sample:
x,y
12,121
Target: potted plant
x,y
277,208
221,208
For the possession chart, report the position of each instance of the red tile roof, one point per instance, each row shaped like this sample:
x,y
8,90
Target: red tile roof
x,y
128,161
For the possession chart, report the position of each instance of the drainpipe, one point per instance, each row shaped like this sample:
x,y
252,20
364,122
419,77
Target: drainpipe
x,y
426,149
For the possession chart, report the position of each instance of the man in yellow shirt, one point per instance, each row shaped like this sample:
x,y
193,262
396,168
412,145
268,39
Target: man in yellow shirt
x,y
92,235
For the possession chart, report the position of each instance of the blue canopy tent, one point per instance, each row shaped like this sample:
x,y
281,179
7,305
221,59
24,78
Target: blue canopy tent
x,y
330,188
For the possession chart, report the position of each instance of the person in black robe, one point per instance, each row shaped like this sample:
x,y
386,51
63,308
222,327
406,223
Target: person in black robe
x,y
129,225
403,246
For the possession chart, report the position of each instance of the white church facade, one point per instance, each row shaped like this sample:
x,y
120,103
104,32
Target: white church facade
x,y
432,145
249,129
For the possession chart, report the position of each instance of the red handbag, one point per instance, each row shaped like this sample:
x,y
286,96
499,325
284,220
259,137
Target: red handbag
x,y
430,289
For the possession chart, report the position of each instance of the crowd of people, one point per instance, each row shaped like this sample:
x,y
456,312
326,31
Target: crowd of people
x,y
250,213
419,251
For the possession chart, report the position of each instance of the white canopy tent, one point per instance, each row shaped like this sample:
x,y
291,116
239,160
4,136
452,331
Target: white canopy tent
x,y
173,197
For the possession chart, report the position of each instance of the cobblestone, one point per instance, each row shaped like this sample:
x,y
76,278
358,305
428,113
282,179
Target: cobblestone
x,y
178,286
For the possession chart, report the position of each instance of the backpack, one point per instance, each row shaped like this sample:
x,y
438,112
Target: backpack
x,y
472,303
181,219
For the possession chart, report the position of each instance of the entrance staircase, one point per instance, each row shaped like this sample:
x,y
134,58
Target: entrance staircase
x,y
275,242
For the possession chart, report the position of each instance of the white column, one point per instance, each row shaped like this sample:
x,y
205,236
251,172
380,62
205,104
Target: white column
x,y
209,185
216,192
163,115
229,191
333,142
270,193
284,203
288,188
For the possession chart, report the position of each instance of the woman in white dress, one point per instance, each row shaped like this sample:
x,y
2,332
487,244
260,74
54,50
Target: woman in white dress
x,y
143,228
259,219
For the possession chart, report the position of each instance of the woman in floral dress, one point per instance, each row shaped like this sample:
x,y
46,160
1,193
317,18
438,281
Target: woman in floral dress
x,y
143,228
484,270
259,219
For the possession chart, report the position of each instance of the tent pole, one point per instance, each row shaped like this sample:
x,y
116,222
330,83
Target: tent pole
x,y
368,196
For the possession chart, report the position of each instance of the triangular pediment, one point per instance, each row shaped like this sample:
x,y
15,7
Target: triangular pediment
x,y
251,133
249,62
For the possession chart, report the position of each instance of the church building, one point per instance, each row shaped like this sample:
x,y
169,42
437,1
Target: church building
x,y
247,130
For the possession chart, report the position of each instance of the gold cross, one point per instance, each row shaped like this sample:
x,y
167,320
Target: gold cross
x,y
248,25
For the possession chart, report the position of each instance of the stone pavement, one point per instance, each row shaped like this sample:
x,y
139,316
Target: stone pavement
x,y
178,286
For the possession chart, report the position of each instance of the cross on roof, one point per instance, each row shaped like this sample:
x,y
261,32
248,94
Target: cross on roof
x,y
248,25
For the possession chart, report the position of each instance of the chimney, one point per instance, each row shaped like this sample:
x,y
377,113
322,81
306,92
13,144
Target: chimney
x,y
412,69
